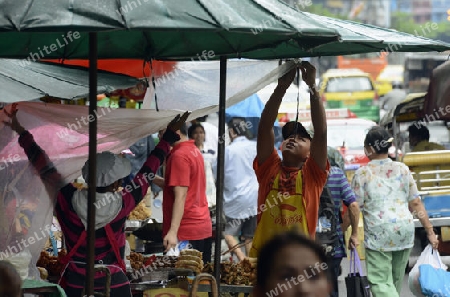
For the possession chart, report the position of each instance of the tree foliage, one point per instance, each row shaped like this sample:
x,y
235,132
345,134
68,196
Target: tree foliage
x,y
400,21
321,10
403,22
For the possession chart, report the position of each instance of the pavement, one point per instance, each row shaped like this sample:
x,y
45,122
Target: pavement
x,y
405,292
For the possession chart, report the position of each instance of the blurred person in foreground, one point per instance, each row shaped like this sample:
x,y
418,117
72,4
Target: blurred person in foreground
x,y
240,194
71,207
386,191
290,264
419,139
10,281
290,188
186,214
341,192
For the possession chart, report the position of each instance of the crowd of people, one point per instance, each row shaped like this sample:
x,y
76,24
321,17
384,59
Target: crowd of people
x,y
271,203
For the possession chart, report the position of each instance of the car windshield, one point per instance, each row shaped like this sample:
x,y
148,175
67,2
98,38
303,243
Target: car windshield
x,y
351,136
349,84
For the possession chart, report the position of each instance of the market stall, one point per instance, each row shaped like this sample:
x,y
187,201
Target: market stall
x,y
173,36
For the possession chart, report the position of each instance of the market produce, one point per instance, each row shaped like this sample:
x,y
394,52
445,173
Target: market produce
x,y
140,213
190,259
191,252
136,260
165,261
53,264
242,273
208,268
43,273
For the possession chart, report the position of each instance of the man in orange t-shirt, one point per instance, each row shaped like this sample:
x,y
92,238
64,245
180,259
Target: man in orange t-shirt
x,y
290,188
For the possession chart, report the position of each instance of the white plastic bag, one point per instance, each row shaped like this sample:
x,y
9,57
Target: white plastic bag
x,y
426,257
21,261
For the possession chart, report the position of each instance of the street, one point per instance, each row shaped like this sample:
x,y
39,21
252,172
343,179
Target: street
x,y
345,269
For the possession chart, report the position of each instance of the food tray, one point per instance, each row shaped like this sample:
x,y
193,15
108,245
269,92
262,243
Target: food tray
x,y
134,225
164,275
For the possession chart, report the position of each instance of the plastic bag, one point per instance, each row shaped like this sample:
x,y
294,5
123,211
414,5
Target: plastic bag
x,y
180,246
21,262
426,257
434,282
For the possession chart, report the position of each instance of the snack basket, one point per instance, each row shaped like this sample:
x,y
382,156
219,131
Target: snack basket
x,y
201,278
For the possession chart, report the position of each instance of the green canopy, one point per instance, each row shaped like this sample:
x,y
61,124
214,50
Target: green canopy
x,y
170,29
31,81
197,30
355,38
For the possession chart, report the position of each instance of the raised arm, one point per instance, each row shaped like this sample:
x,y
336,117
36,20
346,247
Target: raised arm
x,y
266,138
318,118
134,192
36,155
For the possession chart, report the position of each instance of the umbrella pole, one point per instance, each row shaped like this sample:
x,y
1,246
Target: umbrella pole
x,y
89,289
220,167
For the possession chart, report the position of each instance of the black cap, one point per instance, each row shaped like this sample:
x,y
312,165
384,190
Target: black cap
x,y
297,128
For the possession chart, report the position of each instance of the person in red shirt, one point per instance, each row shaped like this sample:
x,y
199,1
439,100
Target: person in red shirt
x,y
186,214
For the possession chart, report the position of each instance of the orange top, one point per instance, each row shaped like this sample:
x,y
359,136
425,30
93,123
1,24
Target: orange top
x,y
314,179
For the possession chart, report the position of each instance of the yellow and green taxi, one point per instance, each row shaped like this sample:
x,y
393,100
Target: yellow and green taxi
x,y
352,89
391,75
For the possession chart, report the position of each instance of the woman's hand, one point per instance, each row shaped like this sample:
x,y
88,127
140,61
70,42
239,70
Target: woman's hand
x,y
353,242
432,238
14,123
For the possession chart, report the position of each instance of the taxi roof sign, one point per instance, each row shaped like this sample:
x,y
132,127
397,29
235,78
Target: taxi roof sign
x,y
338,113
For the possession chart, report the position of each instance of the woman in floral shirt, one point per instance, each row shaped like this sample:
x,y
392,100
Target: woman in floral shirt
x,y
386,192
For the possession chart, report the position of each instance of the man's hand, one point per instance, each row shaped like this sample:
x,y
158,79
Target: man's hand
x,y
170,240
286,80
178,121
353,242
14,124
308,73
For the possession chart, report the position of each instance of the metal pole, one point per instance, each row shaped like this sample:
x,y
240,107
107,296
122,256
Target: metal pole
x,y
395,134
220,167
92,164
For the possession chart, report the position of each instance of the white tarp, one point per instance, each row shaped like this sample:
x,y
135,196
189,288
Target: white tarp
x,y
62,131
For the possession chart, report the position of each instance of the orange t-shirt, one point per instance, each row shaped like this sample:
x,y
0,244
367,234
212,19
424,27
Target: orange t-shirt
x,y
314,179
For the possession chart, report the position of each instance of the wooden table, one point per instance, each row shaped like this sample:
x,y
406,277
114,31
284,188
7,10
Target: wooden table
x,y
232,289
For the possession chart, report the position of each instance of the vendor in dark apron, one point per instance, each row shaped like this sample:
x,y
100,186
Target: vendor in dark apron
x,y
112,208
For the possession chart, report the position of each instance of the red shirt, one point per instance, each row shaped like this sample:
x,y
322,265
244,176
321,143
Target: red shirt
x,y
185,167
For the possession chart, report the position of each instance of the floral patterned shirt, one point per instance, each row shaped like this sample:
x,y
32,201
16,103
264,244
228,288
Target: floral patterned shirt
x,y
383,189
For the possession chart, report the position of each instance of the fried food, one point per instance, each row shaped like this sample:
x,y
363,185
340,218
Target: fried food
x,y
190,259
191,252
140,212
136,260
242,273
52,264
43,273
